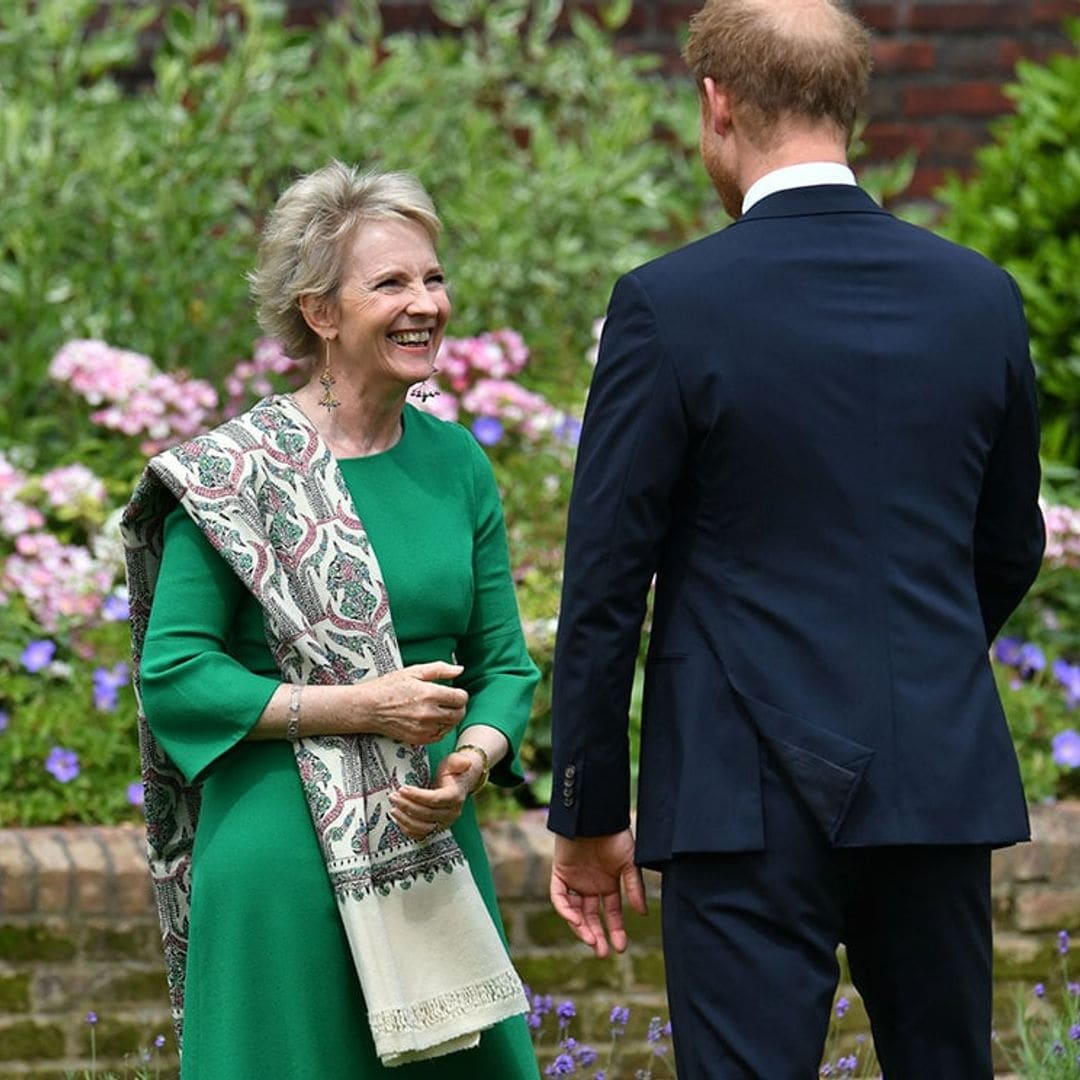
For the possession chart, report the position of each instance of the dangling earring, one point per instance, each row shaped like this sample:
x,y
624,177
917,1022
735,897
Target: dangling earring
x,y
424,390
326,381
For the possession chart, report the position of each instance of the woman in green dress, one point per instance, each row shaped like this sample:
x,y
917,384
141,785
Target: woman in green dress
x,y
332,912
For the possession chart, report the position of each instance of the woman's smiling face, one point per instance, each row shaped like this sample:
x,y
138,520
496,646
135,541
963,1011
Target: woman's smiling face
x,y
393,304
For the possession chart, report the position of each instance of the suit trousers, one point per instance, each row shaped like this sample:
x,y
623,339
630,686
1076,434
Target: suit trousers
x,y
750,945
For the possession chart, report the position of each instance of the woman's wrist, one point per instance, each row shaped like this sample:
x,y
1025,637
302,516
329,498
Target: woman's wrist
x,y
481,755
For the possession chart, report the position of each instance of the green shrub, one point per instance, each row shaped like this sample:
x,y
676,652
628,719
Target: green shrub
x,y
1022,209
131,214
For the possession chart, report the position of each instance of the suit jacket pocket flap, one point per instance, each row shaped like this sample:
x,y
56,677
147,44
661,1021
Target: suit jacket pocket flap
x,y
824,768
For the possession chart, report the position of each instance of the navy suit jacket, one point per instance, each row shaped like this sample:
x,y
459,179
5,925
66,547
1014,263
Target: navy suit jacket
x,y
818,429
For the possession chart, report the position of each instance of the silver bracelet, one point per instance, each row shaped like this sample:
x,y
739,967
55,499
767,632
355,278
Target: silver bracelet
x,y
292,725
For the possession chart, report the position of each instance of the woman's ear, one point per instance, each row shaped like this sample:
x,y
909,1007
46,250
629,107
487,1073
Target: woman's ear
x,y
320,314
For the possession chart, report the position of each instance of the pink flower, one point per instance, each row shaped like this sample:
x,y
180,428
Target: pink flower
x,y
73,484
100,372
15,516
61,583
1062,535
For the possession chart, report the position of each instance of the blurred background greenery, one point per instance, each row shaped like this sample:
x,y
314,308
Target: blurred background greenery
x,y
140,147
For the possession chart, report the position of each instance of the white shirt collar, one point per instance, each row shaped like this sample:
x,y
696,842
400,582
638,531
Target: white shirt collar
x,y
805,174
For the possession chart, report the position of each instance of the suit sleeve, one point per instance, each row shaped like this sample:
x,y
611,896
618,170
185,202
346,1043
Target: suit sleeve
x,y
632,448
1009,531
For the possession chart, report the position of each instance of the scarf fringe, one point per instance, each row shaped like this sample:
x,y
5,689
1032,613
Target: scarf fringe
x,y
444,1007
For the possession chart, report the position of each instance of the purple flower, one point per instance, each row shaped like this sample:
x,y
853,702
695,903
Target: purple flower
x,y
1007,651
1065,748
64,765
620,1016
848,1064
5,719
534,1020
586,1056
1039,990
842,1007
115,608
565,1012
136,794
826,1070
1030,661
1073,988
91,1018
563,1065
106,684
159,1041
568,430
656,1034
1069,676
1074,1033
487,429
1063,941
38,655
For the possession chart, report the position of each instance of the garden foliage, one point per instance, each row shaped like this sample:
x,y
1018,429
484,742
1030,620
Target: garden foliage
x,y
138,159
1022,209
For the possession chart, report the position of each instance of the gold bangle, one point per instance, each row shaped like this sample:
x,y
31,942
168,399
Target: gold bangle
x,y
292,724
485,762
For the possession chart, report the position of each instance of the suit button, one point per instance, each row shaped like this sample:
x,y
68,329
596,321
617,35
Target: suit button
x,y
570,772
568,801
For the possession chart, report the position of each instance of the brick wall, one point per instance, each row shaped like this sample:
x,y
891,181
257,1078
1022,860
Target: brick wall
x,y
78,933
940,64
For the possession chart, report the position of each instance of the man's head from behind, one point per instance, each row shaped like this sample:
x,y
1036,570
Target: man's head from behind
x,y
784,67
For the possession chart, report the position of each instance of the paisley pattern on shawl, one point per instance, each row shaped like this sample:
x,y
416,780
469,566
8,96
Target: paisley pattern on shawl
x,y
268,494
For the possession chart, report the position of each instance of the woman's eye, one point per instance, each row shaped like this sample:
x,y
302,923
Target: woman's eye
x,y
389,283
436,279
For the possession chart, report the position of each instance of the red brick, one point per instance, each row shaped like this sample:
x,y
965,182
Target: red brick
x,y
955,145
1053,12
956,99
1047,908
969,16
886,140
92,879
54,871
878,16
973,56
904,55
17,878
926,181
668,16
1013,51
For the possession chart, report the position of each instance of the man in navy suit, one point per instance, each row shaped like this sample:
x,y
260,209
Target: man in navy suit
x,y
818,429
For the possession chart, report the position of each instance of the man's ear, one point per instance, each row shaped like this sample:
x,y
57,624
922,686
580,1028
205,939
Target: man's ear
x,y
717,105
320,314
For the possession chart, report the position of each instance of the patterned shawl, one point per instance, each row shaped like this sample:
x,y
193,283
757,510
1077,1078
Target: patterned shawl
x,y
267,492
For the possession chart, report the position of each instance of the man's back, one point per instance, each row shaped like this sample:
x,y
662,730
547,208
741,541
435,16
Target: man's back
x,y
838,381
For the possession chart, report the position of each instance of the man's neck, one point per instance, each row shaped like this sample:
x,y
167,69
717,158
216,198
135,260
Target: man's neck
x,y
799,148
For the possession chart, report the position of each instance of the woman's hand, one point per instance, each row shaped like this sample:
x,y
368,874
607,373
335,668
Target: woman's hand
x,y
421,812
410,705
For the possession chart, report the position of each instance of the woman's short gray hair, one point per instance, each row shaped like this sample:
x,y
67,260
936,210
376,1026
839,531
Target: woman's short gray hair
x,y
305,243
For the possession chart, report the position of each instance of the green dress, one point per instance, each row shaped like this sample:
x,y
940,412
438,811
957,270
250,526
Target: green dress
x,y
271,990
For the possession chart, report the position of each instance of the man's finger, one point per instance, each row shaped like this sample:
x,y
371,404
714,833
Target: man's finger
x,y
634,884
613,918
590,910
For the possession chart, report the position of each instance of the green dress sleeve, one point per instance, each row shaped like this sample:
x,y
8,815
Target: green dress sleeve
x,y
499,673
199,699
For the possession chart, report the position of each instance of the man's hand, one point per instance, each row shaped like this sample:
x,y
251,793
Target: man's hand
x,y
588,874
